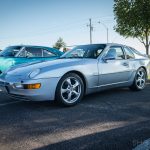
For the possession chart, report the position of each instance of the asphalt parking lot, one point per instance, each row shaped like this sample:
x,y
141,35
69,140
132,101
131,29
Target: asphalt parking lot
x,y
114,119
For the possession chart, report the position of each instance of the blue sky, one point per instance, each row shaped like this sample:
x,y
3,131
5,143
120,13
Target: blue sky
x,y
42,22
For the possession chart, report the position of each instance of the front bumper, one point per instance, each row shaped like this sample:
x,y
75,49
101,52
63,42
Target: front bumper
x,y
44,93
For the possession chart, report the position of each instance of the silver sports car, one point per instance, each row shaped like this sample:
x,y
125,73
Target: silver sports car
x,y
83,70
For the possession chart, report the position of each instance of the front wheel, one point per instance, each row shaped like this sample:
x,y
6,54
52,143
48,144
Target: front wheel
x,y
70,89
139,80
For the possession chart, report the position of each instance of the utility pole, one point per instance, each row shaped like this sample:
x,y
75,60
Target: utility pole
x,y
106,30
91,29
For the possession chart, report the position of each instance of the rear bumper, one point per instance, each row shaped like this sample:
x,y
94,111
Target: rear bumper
x,y
44,93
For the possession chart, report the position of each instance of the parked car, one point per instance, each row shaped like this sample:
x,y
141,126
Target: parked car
x,y
15,55
83,70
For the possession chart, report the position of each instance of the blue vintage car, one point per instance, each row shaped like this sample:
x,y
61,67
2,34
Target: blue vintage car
x,y
15,55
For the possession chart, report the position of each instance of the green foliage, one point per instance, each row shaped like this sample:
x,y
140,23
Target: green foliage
x,y
133,19
59,44
149,71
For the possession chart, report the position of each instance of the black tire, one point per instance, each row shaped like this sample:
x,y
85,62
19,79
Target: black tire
x,y
135,86
61,98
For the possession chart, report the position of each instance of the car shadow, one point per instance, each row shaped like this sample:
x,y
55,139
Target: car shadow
x,y
109,118
115,139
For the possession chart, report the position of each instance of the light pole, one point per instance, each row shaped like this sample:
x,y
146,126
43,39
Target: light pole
x,y
106,30
91,29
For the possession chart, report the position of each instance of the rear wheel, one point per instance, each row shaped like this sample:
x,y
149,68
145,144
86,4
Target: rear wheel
x,y
139,80
70,89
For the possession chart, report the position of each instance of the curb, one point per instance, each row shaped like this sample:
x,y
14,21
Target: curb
x,y
144,146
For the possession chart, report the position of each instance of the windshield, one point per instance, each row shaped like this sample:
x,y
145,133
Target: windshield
x,y
85,51
11,51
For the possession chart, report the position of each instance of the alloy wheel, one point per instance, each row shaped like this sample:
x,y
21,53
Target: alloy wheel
x,y
71,90
140,79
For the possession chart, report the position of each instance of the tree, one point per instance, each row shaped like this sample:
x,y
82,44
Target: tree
x,y
59,44
133,20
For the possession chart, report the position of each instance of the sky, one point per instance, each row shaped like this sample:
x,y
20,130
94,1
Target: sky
x,y
42,22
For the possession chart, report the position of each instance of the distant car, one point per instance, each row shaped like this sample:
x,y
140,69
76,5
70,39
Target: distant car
x,y
15,55
83,70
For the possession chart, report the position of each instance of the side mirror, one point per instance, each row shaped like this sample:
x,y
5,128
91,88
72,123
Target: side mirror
x,y
106,58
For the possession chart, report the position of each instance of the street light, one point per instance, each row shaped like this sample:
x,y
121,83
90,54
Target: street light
x,y
106,29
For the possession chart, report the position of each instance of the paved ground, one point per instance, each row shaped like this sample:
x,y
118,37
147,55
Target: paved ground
x,y
114,119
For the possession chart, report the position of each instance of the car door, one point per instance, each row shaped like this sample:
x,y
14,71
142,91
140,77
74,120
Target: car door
x,y
116,69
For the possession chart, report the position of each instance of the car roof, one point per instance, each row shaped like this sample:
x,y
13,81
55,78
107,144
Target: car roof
x,y
34,46
44,47
108,44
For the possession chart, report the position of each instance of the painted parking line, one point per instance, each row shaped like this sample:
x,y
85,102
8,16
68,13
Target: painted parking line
x,y
9,103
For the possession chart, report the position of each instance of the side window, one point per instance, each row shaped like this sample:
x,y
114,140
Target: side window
x,y
47,53
31,52
129,54
22,53
116,52
97,52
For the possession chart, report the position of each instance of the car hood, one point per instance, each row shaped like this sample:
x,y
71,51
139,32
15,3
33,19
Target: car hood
x,y
27,68
6,63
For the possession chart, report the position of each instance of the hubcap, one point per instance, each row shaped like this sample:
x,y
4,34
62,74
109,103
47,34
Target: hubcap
x,y
140,79
71,90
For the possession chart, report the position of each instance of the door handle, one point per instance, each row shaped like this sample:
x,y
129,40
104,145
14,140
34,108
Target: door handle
x,y
125,64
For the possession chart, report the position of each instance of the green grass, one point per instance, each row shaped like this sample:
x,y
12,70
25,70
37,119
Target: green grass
x,y
149,77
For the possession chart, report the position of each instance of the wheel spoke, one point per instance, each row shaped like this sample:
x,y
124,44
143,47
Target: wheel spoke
x,y
143,80
69,81
64,90
138,80
139,74
69,96
142,75
76,93
76,84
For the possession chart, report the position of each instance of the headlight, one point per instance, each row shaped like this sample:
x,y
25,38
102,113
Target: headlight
x,y
26,86
17,86
34,73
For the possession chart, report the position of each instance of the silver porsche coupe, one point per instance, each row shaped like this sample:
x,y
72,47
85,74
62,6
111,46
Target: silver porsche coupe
x,y
84,69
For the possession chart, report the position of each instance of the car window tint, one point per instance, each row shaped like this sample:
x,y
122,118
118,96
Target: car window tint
x,y
31,52
47,53
116,52
11,51
22,53
129,54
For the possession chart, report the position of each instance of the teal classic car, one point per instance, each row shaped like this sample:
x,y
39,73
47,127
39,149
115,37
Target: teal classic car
x,y
15,55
